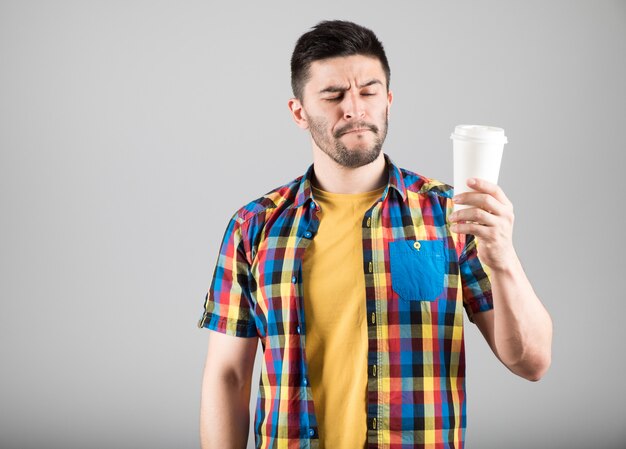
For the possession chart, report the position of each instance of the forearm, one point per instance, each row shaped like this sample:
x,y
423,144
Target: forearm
x,y
224,414
522,326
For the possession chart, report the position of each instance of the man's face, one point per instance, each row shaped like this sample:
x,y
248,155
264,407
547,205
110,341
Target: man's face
x,y
346,104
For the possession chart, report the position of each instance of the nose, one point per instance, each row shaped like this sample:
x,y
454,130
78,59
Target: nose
x,y
353,106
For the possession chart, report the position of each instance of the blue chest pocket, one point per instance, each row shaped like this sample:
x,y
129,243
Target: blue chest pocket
x,y
418,268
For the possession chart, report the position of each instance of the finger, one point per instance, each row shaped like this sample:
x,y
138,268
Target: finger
x,y
475,215
470,228
481,200
482,185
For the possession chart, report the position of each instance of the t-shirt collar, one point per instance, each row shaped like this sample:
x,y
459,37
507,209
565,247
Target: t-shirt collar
x,y
395,181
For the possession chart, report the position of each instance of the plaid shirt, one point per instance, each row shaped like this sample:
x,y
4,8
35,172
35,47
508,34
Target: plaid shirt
x,y
418,278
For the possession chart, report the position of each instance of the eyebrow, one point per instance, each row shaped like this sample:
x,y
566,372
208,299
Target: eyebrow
x,y
335,89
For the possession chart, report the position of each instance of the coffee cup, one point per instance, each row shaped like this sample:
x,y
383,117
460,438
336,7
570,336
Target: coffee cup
x,y
477,151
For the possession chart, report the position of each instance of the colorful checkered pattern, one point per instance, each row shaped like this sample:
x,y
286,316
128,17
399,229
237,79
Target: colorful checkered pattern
x,y
419,277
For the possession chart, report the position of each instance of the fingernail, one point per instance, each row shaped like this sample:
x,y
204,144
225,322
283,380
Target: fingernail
x,y
471,181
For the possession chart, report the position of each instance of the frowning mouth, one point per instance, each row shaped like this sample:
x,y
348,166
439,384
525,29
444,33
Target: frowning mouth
x,y
358,130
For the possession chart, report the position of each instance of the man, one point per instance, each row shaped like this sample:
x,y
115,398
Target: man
x,y
355,277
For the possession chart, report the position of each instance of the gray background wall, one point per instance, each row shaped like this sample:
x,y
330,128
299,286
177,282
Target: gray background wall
x,y
131,131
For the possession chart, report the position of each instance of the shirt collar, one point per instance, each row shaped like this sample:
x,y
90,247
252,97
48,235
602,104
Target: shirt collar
x,y
395,181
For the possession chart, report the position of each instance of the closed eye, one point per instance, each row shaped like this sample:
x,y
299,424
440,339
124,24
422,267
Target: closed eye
x,y
339,97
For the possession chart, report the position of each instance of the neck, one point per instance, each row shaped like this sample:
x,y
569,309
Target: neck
x,y
335,178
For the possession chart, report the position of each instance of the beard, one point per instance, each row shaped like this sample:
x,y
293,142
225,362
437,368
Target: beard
x,y
350,157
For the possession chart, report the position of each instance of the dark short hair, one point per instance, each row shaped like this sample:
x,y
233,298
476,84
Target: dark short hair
x,y
329,39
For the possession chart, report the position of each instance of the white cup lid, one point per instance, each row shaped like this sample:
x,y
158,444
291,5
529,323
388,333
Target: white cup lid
x,y
479,134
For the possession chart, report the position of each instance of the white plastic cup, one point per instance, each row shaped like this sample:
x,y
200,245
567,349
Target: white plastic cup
x,y
477,153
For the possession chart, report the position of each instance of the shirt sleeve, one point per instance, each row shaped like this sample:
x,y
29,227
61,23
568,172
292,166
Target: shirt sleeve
x,y
474,280
228,304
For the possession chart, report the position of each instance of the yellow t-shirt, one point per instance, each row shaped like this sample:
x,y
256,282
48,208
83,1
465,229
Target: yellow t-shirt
x,y
334,311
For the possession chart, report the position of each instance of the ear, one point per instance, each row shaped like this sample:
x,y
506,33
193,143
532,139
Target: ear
x,y
389,101
297,113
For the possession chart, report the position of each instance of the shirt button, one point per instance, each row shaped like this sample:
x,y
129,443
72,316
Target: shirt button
x,y
370,267
298,329
294,279
305,382
369,221
312,205
308,234
312,432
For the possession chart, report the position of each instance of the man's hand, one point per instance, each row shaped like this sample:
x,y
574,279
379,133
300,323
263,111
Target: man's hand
x,y
490,220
